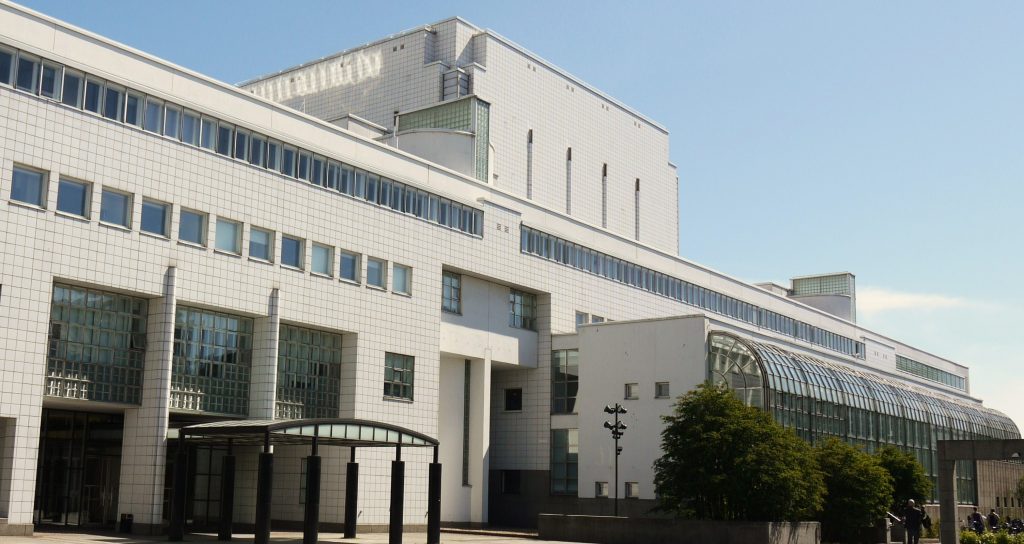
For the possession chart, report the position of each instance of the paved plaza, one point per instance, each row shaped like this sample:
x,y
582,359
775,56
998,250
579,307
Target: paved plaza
x,y
282,537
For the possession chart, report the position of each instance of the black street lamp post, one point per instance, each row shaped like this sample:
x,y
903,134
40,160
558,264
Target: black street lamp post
x,y
617,429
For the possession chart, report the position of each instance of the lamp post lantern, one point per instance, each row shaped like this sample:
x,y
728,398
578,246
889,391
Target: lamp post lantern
x,y
617,429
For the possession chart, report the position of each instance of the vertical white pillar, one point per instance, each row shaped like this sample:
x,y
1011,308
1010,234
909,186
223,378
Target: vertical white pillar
x,y
144,453
479,436
263,386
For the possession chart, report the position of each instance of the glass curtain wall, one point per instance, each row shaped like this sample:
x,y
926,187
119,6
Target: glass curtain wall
x,y
819,399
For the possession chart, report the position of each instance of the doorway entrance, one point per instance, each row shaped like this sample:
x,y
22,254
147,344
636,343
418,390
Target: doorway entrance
x,y
79,469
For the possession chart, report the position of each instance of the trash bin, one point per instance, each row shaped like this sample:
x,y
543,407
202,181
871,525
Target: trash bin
x,y
126,523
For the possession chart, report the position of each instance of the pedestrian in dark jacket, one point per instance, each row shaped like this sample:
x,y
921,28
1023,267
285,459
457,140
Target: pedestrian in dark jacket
x,y
912,517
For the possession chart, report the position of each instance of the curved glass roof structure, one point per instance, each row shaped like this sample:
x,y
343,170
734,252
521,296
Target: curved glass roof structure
x,y
336,432
820,399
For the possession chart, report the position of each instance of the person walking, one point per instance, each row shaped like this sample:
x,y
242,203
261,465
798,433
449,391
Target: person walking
x,y
912,517
993,520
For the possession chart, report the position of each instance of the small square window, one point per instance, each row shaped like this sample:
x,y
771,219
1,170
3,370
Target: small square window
x,y
73,197
350,266
632,490
261,244
229,236
156,217
29,186
291,252
582,319
192,227
376,273
116,208
661,390
401,279
601,489
323,260
514,399
511,482
632,391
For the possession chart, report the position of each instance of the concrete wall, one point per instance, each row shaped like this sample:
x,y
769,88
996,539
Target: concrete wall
x,y
448,148
641,352
612,530
482,329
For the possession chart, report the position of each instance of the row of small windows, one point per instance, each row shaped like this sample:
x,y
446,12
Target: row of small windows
x,y
117,103
929,372
555,249
74,197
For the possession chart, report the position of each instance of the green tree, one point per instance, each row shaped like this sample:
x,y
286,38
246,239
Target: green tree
x,y
724,460
859,491
1019,492
909,480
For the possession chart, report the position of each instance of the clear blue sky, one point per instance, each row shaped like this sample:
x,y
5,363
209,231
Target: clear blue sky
x,y
883,138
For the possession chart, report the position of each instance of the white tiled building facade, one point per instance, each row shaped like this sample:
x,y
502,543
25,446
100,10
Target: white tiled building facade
x,y
176,250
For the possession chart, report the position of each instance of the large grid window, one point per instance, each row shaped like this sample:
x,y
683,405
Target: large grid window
x,y
565,380
522,310
451,296
398,374
308,373
565,449
97,345
212,362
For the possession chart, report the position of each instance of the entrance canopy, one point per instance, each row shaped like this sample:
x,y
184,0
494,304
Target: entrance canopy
x,y
334,432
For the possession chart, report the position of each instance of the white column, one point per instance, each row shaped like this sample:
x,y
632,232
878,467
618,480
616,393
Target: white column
x,y
263,386
144,454
479,436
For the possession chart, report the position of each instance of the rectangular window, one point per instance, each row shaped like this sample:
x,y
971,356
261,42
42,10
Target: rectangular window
x,y
73,197
632,391
133,109
288,161
323,260
451,296
661,390
51,79
6,66
596,319
349,267
632,490
347,180
601,489
565,448
522,310
565,380
29,186
116,208
93,95
308,373
291,252
72,95
242,145
113,103
514,399
156,217
229,236
304,166
258,150
154,118
273,155
401,279
172,121
376,273
212,362
208,135
225,133
192,227
511,482
318,170
398,375
333,175
261,244
28,73
582,319
190,127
